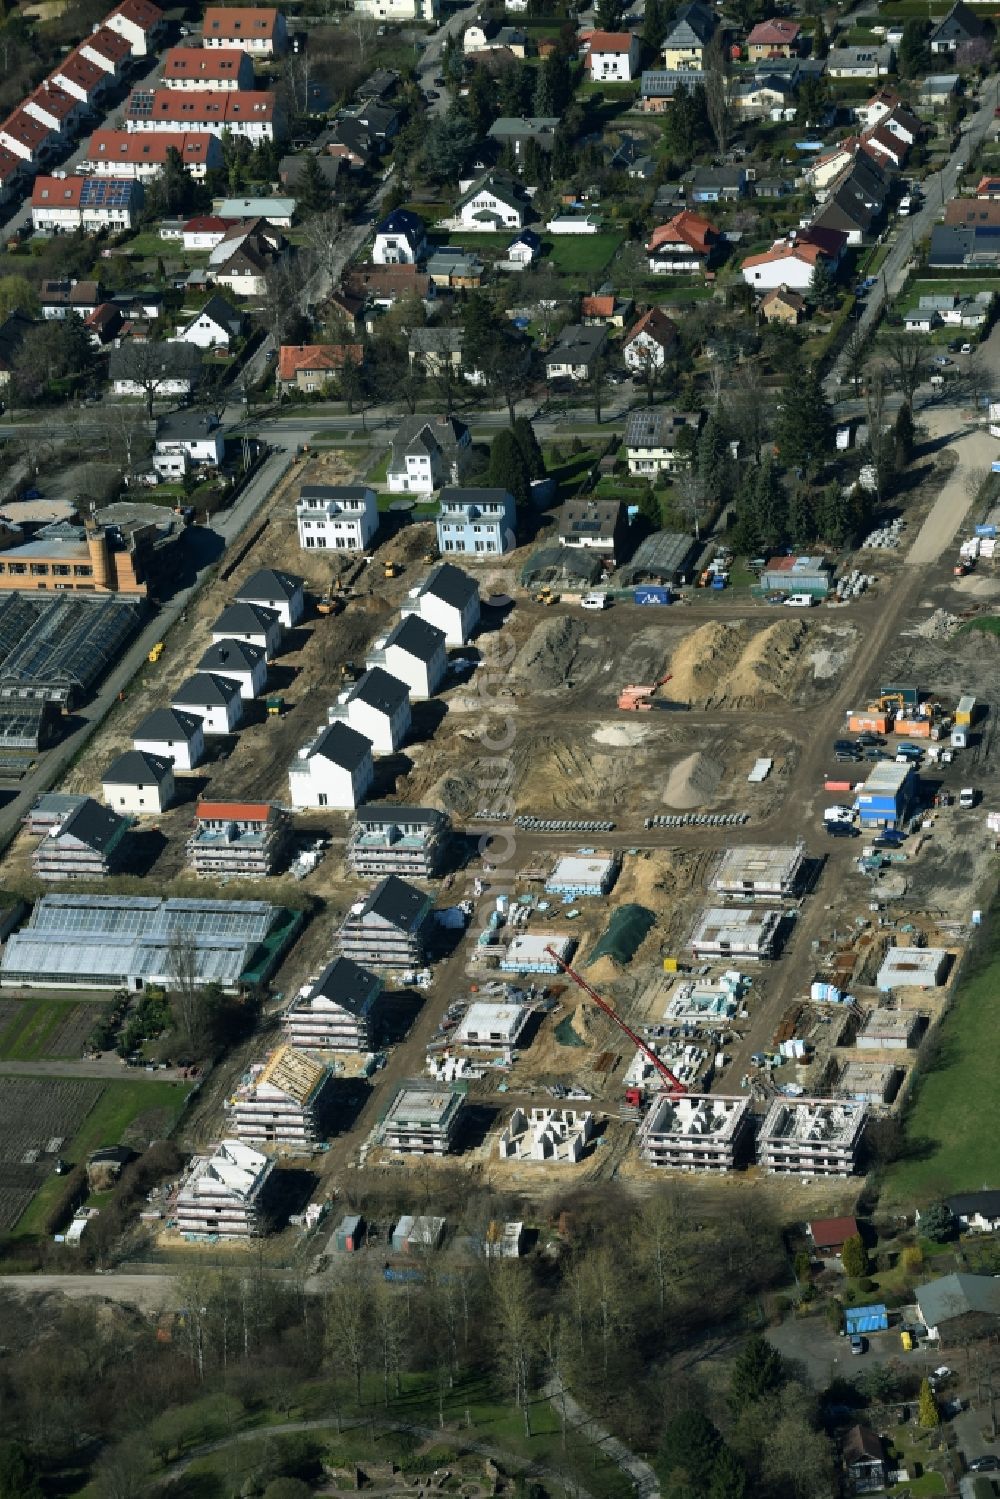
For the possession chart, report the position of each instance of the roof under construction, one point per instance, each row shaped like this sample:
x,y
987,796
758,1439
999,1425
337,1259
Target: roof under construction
x,y
293,1073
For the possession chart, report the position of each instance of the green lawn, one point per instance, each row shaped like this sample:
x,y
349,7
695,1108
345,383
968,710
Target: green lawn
x,y
988,626
953,1122
119,1105
377,474
576,254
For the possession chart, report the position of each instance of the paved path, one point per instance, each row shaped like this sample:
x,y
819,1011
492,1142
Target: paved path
x,y
150,1293
103,1068
647,1485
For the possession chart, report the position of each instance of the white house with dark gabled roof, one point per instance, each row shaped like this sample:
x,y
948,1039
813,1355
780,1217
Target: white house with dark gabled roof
x,y
449,599
400,239
333,770
176,736
389,928
138,782
252,623
494,202
414,651
271,588
216,700
337,517
428,452
240,662
377,706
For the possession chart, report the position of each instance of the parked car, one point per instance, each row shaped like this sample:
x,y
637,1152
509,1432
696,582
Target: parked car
x,y
941,360
988,1463
841,829
858,1344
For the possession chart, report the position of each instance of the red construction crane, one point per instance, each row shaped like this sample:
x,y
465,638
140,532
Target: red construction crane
x,y
673,1083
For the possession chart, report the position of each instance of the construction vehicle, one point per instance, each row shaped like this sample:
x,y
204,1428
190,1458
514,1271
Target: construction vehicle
x,y
330,604
894,700
156,653
632,1095
275,707
391,570
350,671
634,699
546,596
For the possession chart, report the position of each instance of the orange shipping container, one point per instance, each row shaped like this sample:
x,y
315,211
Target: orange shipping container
x,y
914,728
838,786
868,723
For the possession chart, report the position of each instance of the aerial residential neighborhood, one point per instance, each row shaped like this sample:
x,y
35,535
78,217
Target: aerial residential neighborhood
x,y
499,667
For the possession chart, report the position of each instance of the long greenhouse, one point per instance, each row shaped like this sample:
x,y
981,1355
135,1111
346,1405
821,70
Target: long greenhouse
x,y
127,942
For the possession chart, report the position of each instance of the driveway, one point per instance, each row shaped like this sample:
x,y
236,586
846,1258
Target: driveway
x,y
825,1355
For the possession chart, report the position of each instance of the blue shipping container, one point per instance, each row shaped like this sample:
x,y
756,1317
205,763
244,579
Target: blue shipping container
x,y
865,1319
652,595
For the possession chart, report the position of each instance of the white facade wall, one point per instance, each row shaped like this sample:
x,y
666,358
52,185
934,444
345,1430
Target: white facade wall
x,y
422,677
139,800
216,718
184,754
324,784
385,733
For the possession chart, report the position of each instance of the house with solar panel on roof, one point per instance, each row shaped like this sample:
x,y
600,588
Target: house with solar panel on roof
x,y
62,205
593,525
338,1012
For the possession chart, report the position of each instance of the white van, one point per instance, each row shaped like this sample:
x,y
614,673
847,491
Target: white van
x,y
594,601
799,601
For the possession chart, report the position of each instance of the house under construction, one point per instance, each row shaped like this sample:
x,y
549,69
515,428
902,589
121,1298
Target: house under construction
x,y
695,1132
245,839
221,1196
812,1136
338,1012
90,843
283,1103
423,1119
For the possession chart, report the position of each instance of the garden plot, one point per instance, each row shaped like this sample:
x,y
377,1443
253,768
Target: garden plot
x,y
34,1114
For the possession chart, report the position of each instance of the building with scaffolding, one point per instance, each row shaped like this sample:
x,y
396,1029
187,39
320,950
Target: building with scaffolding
x,y
90,843
248,840
339,1012
423,1119
389,928
695,1132
408,841
492,1027
221,1195
812,1136
282,1103
750,932
759,870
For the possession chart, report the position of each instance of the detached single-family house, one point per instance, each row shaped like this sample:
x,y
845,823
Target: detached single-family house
x,y
139,782
525,249
605,310
790,263
829,1235
718,184
516,131
777,37
594,526
456,270
436,349
172,735
334,770
976,1212
649,342
378,706
252,623
340,518
448,598
684,45
270,588
257,29
960,26
217,326
860,62
310,367
242,663
651,435
428,452
144,368
186,440
576,352
400,239
959,1303
864,1460
476,522
216,701
783,306
612,56
493,202
686,245
414,652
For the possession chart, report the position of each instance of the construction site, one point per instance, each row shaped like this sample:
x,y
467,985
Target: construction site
x,y
656,933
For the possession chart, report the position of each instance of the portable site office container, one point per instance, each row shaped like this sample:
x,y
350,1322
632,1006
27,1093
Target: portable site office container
x,y
349,1234
858,1319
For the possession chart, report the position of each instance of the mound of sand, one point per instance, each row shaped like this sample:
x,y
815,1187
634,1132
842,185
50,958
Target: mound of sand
x,y
624,735
978,586
693,781
731,666
547,656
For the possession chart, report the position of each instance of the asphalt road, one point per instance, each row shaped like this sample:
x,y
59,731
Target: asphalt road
x,y
937,190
